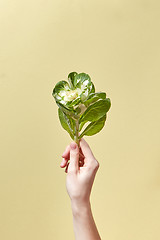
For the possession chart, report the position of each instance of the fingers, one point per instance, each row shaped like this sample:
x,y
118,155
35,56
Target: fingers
x,y
74,158
87,152
66,156
66,153
63,163
66,169
90,161
79,157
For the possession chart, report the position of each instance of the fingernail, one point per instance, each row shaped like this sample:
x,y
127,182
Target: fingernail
x,y
73,145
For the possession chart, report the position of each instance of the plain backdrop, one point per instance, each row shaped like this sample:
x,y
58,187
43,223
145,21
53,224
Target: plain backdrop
x,y
118,44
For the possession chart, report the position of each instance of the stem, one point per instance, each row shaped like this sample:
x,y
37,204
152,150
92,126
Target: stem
x,y
77,132
76,139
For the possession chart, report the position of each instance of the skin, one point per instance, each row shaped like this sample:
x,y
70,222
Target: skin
x,y
81,167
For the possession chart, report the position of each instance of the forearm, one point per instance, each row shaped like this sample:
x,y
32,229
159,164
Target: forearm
x,y
83,222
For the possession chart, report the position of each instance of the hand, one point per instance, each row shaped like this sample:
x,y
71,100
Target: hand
x,y
81,171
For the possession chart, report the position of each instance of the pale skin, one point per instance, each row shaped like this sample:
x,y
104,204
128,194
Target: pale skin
x,y
81,167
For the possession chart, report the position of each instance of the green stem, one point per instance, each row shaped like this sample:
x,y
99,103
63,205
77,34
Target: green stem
x,y
77,132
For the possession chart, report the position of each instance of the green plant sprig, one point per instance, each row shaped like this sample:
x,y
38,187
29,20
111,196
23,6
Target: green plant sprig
x,y
81,110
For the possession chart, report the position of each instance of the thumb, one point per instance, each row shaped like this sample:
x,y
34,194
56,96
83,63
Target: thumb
x,y
74,158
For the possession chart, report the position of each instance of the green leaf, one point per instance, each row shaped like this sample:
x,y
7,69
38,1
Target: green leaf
x,y
74,102
81,126
67,123
92,88
62,85
86,92
82,79
84,95
96,110
66,110
94,127
71,78
93,97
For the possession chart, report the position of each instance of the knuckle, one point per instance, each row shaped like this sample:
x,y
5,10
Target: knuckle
x,y
93,166
96,165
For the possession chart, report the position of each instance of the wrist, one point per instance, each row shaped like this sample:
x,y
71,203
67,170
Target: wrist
x,y
80,207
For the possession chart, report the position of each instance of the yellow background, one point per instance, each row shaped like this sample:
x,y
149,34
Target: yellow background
x,y
118,44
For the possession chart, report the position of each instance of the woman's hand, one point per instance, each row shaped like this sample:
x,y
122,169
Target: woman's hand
x,y
81,167
80,170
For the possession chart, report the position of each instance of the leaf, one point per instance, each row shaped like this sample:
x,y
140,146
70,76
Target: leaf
x,y
94,127
92,88
93,97
66,110
59,88
67,123
71,78
87,91
83,82
81,126
82,79
62,85
74,102
96,110
84,95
